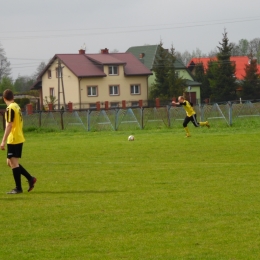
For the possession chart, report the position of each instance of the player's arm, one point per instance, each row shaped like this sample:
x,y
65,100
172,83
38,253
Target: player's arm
x,y
8,129
176,103
9,115
179,103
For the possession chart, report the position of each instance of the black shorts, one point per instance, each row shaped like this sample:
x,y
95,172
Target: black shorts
x,y
192,119
14,150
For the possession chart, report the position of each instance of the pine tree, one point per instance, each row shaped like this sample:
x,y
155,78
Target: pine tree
x,y
161,66
166,84
176,84
200,76
223,82
251,83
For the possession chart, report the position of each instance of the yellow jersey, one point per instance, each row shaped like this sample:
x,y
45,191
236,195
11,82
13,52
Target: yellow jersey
x,y
188,108
13,115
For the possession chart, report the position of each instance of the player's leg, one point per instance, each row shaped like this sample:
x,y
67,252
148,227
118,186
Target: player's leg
x,y
18,154
196,123
13,154
206,123
14,164
31,180
185,125
194,120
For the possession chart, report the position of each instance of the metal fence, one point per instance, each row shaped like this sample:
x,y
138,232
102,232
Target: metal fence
x,y
220,115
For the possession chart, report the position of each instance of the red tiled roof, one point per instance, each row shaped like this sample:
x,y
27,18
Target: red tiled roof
x,y
133,66
105,59
80,65
91,65
240,61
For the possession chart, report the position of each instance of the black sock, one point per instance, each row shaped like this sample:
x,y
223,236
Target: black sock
x,y
26,174
17,177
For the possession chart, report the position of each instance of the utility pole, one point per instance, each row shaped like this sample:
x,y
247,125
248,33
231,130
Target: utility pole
x,y
60,90
59,75
63,92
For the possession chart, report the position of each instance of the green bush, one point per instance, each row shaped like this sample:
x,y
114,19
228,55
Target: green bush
x,y
24,102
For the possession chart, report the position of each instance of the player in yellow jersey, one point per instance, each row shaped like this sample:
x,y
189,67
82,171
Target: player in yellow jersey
x,y
14,138
190,115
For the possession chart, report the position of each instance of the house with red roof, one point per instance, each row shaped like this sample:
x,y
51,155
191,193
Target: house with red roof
x,y
86,79
240,62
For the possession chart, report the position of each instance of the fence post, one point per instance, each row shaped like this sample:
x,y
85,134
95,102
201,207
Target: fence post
x,y
201,112
70,106
29,109
50,106
230,113
168,107
88,119
116,119
61,120
123,104
40,118
142,117
157,102
98,105
106,105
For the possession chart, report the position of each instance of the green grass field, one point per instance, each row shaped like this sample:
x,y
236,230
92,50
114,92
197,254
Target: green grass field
x,y
162,196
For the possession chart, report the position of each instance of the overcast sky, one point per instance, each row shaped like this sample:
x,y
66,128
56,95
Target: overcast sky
x,y
32,31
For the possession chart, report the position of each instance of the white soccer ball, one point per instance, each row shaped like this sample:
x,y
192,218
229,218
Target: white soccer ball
x,y
131,138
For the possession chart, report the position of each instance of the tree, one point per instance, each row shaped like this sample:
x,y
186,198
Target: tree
x,y
240,49
167,84
160,87
23,84
251,83
39,70
213,53
176,84
5,70
223,81
235,49
6,83
201,77
197,53
243,45
254,47
185,57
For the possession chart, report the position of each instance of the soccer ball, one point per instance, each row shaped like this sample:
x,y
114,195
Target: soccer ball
x,y
131,138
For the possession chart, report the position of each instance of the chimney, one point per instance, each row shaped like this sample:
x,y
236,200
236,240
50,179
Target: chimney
x,y
81,51
104,51
141,55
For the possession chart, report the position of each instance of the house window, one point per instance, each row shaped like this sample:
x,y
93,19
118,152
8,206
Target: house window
x,y
135,89
135,104
58,73
49,74
92,106
52,92
114,90
92,91
113,70
114,104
